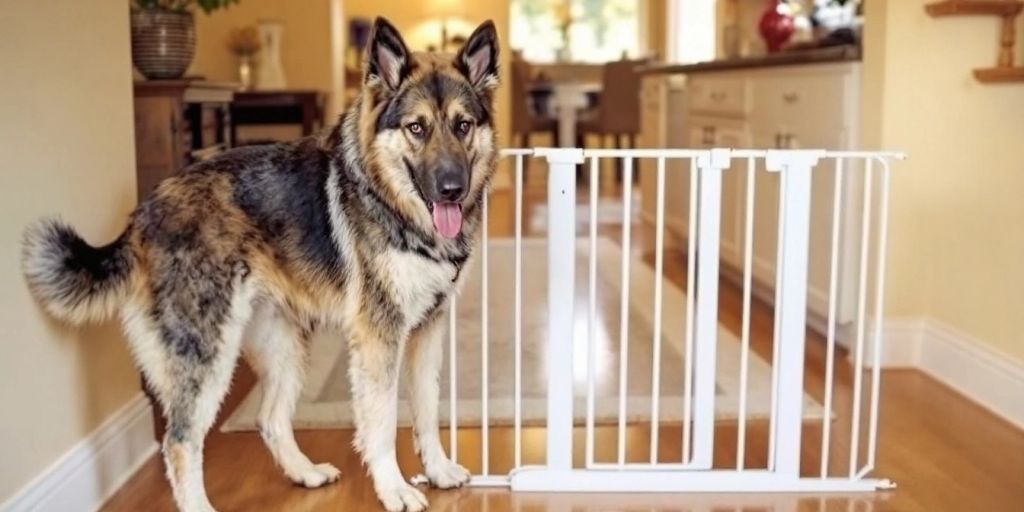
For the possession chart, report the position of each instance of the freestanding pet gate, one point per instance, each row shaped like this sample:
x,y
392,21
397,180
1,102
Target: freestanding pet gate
x,y
864,175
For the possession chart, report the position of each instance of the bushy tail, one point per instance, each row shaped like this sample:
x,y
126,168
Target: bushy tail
x,y
73,280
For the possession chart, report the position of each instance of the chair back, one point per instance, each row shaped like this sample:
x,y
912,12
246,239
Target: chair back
x,y
521,116
619,112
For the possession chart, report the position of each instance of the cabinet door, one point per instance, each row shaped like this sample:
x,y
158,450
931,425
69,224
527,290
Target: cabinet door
x,y
677,171
652,104
766,220
766,214
822,201
729,135
160,146
711,132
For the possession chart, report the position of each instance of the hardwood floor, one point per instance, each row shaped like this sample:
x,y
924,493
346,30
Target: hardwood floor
x,y
944,452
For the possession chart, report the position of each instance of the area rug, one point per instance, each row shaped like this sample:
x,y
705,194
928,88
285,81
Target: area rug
x,y
610,211
325,399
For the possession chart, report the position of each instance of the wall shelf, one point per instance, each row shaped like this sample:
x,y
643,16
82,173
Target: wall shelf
x,y
1008,10
974,7
1000,75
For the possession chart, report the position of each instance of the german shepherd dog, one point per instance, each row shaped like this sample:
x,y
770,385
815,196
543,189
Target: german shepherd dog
x,y
365,228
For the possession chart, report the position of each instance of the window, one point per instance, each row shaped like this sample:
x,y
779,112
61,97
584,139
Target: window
x,y
597,30
692,23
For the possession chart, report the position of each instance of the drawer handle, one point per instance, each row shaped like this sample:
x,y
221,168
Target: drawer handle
x,y
718,95
790,97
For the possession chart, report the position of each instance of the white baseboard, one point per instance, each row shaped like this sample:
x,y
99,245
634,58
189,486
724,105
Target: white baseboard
x,y
986,376
97,466
904,338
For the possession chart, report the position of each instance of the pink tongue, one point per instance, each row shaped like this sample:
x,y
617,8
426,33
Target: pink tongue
x,y
448,219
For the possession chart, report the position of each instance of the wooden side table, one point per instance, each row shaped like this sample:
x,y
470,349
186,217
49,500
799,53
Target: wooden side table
x,y
301,107
178,122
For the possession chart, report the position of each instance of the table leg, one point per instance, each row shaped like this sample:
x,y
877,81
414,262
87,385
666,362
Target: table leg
x,y
308,116
566,101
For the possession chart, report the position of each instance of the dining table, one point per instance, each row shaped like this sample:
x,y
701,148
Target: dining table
x,y
566,100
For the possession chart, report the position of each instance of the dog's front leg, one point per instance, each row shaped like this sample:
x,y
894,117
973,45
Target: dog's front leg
x,y
373,369
422,365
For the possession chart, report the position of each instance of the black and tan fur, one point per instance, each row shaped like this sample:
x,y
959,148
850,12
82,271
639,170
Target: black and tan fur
x,y
249,252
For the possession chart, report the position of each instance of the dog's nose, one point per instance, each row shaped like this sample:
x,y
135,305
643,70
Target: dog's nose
x,y
451,185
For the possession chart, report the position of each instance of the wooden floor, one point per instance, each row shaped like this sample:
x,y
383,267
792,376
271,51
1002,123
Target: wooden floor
x,y
944,452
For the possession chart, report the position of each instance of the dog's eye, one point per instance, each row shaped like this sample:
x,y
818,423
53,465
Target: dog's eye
x,y
415,128
463,127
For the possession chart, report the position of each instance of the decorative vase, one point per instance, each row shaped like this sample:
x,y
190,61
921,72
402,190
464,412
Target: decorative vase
x,y
163,42
245,72
776,25
271,72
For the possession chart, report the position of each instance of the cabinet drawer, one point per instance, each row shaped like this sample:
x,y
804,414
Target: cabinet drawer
x,y
807,100
723,96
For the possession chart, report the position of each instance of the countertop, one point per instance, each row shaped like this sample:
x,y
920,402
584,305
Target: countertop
x,y
844,53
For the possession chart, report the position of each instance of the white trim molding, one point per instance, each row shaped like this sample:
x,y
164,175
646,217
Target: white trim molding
x,y
97,466
983,374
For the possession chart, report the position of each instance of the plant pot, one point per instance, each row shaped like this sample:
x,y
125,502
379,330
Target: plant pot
x,y
776,25
163,42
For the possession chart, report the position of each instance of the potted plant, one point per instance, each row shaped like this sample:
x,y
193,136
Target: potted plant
x,y
164,35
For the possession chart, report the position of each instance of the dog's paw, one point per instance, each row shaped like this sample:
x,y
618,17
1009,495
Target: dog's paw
x,y
445,474
402,497
316,475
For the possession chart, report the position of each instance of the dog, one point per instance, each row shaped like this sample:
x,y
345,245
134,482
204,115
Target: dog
x,y
365,227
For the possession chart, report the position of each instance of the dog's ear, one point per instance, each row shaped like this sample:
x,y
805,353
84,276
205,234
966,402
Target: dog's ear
x,y
478,58
387,57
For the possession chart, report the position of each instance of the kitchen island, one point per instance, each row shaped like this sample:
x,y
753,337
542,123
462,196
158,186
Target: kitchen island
x,y
806,99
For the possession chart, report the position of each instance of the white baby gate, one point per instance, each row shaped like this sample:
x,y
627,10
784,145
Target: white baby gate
x,y
695,470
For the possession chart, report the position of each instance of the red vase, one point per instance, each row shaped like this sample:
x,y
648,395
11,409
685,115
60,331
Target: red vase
x,y
776,27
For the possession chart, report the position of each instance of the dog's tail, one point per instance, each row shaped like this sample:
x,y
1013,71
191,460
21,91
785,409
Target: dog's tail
x,y
73,280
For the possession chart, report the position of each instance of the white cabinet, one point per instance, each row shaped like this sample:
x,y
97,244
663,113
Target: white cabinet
x,y
712,132
793,107
665,119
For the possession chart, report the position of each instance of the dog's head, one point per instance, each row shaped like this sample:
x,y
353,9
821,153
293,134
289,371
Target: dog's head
x,y
426,124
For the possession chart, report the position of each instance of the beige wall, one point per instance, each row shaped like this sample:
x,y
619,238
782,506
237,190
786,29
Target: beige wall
x,y
67,144
305,49
957,244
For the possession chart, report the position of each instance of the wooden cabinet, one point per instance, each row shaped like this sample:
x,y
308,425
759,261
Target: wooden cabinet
x,y
791,107
178,122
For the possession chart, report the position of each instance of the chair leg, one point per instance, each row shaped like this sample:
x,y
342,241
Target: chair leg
x,y
524,142
618,161
632,145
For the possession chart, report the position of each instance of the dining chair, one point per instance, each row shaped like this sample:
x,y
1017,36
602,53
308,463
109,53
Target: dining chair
x,y
526,119
618,110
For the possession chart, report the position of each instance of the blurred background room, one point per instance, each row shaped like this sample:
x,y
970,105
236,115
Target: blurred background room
x,y
103,99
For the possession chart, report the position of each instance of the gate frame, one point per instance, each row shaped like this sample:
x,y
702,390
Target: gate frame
x,y
783,474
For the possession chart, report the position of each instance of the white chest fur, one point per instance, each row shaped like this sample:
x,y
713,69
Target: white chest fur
x,y
415,282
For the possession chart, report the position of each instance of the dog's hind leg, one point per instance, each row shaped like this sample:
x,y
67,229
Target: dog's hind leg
x,y
187,344
375,359
422,367
275,347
